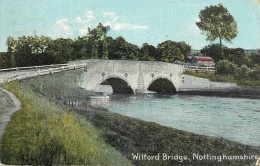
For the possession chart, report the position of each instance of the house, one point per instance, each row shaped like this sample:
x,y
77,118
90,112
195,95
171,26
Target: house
x,y
201,61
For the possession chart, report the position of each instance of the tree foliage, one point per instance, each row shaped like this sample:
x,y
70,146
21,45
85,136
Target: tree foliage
x,y
237,56
26,51
97,38
171,51
149,53
255,58
61,50
212,51
217,23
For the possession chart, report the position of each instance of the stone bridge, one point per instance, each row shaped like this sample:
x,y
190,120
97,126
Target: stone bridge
x,y
139,75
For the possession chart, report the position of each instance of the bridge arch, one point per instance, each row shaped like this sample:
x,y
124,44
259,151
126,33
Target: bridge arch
x,y
117,77
171,88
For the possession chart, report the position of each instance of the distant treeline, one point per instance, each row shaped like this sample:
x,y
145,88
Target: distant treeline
x,y
237,56
42,50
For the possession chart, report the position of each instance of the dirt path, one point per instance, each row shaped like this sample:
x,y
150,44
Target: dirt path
x,y
9,104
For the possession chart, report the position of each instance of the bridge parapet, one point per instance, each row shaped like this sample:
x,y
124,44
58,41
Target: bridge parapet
x,y
138,74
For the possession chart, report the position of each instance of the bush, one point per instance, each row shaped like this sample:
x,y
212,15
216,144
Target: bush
x,y
226,67
255,74
41,133
244,71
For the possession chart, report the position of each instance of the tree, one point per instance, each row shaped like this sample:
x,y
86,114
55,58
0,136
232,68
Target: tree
x,y
217,23
38,44
11,46
61,50
118,48
171,51
105,50
149,53
2,65
23,52
255,58
237,56
97,38
27,50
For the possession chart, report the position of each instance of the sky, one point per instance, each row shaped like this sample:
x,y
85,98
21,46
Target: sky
x,y
138,21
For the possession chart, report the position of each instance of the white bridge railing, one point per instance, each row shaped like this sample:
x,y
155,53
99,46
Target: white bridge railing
x,y
19,73
199,68
32,67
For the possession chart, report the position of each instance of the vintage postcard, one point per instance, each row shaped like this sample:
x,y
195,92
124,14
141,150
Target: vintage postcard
x,y
130,82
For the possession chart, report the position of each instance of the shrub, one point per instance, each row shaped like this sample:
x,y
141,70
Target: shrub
x,y
226,67
255,73
244,71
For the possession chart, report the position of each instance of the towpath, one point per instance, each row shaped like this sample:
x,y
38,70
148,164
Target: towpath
x,y
9,104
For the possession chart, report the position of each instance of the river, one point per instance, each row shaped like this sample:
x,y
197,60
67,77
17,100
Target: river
x,y
236,119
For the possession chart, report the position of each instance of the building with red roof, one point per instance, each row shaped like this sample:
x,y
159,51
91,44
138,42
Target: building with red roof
x,y
201,61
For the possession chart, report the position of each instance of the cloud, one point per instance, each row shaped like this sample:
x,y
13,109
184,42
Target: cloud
x,y
107,23
126,26
110,14
115,18
120,26
63,23
83,31
81,21
89,16
109,19
197,19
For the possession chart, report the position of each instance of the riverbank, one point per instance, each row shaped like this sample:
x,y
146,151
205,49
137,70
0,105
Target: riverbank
x,y
242,81
202,84
131,136
44,133
238,92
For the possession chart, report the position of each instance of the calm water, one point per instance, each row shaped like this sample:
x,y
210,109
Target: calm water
x,y
236,119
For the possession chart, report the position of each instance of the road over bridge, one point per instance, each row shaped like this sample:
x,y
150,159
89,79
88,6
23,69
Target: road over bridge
x,y
139,75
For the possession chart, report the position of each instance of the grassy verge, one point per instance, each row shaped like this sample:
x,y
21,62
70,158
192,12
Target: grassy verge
x,y
130,135
224,78
43,133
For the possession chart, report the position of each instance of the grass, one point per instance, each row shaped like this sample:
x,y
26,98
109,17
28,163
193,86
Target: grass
x,y
126,135
42,133
224,78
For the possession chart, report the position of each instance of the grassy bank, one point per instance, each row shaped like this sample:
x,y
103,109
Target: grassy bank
x,y
127,135
224,78
43,133
130,135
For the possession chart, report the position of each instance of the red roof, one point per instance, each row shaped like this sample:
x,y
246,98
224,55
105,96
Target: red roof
x,y
204,59
201,58
207,59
